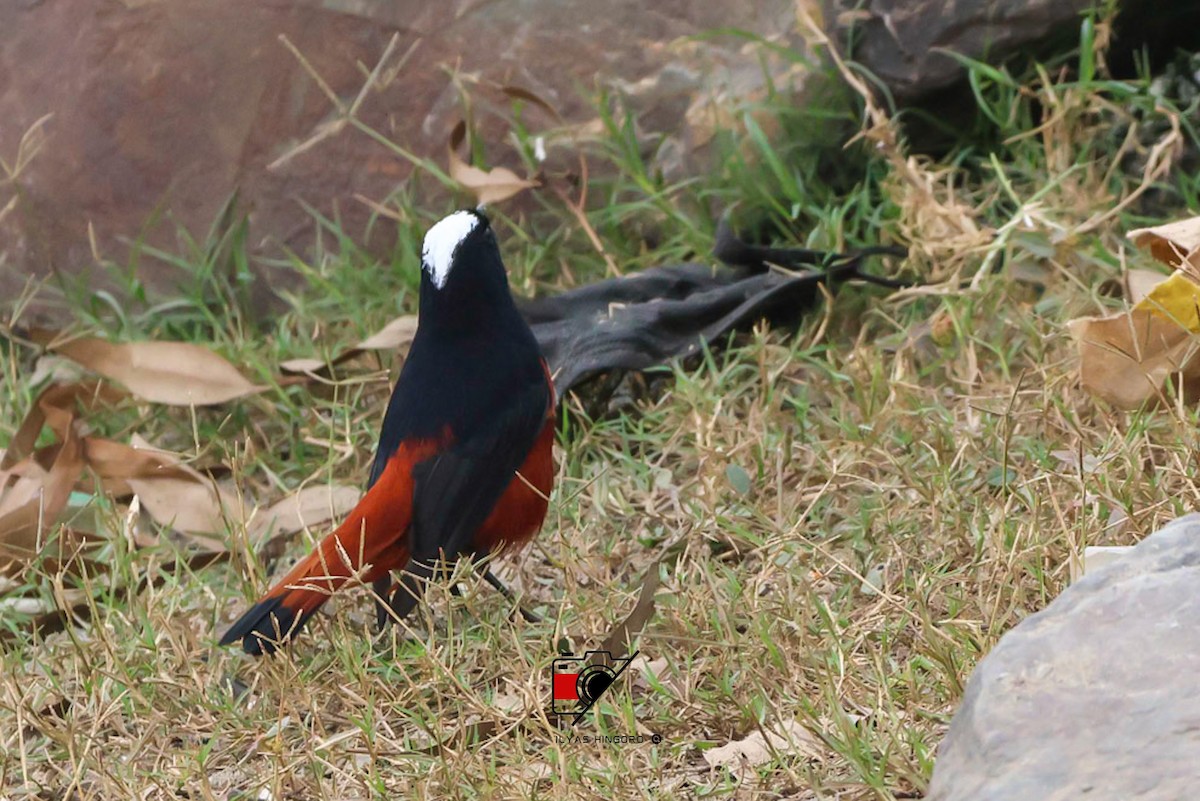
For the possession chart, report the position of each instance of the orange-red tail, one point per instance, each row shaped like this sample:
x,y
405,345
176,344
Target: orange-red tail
x,y
373,536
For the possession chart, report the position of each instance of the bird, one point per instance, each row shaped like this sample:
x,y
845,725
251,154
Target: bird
x,y
464,466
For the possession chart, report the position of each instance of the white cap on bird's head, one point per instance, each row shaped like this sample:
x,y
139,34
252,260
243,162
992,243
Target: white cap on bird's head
x,y
442,243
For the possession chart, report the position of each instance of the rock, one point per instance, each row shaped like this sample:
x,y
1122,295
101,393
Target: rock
x,y
1094,697
112,113
899,40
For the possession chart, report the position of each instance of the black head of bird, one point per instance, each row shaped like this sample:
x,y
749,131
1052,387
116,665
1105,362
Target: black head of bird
x,y
464,286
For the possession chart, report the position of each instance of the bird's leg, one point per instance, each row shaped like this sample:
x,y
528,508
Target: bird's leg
x,y
405,596
490,578
383,589
410,587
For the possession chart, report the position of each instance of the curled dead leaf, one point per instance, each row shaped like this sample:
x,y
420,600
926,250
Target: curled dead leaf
x,y
304,364
114,463
790,738
173,493
27,521
306,509
171,373
395,335
1174,243
57,405
620,639
1128,358
488,186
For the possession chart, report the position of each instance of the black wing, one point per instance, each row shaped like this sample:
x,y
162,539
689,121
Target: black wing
x,y
456,490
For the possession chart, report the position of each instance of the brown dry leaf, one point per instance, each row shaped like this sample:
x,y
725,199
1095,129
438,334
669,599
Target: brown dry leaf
x,y
308,508
621,637
56,405
177,495
114,463
172,373
303,364
395,335
23,525
1128,358
32,478
787,739
488,186
1173,243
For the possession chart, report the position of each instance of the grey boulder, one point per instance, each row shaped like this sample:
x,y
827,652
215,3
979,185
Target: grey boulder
x,y
1096,696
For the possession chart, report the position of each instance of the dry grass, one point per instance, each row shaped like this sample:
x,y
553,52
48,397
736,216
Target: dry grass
x,y
844,519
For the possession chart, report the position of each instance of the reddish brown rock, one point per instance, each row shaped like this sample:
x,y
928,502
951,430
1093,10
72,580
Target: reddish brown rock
x,y
143,109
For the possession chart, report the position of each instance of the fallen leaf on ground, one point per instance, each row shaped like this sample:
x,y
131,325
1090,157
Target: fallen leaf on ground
x,y
36,606
180,496
488,186
1128,358
308,508
1176,300
788,739
25,523
393,336
114,463
1172,243
622,636
56,406
171,373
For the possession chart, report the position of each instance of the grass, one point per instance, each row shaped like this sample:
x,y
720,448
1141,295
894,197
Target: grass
x,y
844,517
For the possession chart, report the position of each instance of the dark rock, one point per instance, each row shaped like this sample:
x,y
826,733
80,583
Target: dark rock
x,y
899,40
1094,697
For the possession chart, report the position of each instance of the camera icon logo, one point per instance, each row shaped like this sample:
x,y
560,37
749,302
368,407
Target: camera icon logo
x,y
579,681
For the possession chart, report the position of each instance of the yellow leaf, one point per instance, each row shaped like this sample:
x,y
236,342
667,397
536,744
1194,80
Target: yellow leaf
x,y
1176,299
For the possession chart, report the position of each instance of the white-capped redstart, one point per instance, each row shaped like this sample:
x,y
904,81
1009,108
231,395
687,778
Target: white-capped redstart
x,y
464,465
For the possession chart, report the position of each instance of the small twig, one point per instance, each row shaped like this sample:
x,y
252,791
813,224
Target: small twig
x,y
312,72
374,76
379,208
577,209
345,115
